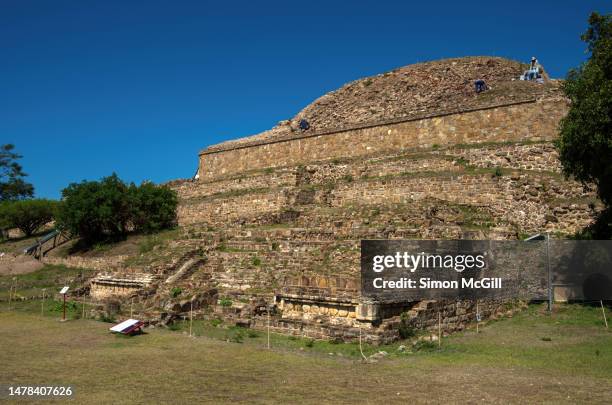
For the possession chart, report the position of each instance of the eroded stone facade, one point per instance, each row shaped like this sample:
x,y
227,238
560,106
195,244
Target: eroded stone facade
x,y
281,220
532,120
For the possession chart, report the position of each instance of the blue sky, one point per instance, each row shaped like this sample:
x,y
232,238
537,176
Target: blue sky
x,y
139,87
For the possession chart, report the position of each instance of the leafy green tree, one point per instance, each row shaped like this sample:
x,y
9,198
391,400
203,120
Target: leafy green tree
x,y
109,209
27,215
96,210
585,142
153,207
12,185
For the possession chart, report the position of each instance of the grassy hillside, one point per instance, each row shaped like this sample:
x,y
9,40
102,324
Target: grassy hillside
x,y
51,278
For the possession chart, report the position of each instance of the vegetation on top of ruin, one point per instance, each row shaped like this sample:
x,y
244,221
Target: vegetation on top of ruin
x,y
412,91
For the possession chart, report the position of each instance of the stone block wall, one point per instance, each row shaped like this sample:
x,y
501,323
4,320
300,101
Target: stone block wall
x,y
103,263
534,120
530,199
281,221
106,286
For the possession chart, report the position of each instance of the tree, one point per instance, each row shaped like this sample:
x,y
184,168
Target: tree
x,y
109,209
585,142
95,210
27,215
153,207
12,185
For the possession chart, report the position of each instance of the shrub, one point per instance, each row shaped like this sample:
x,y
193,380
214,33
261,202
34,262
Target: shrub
x,y
153,207
498,172
225,302
309,343
252,333
424,345
95,210
216,322
27,215
406,331
461,161
235,334
58,306
107,318
174,326
255,261
176,291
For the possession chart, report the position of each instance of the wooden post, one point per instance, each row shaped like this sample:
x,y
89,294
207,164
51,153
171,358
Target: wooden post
x,y
10,296
477,317
191,318
360,348
64,309
13,286
439,329
603,311
268,325
42,304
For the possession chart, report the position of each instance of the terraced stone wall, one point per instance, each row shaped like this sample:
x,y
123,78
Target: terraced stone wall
x,y
531,120
519,184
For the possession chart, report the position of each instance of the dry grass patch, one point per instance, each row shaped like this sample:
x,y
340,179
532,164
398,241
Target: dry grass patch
x,y
507,363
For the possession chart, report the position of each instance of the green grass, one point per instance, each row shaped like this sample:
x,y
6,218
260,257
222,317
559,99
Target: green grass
x,y
213,330
517,341
579,343
508,362
50,277
51,307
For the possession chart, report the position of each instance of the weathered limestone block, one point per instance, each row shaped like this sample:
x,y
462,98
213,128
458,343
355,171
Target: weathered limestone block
x,y
368,311
485,125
